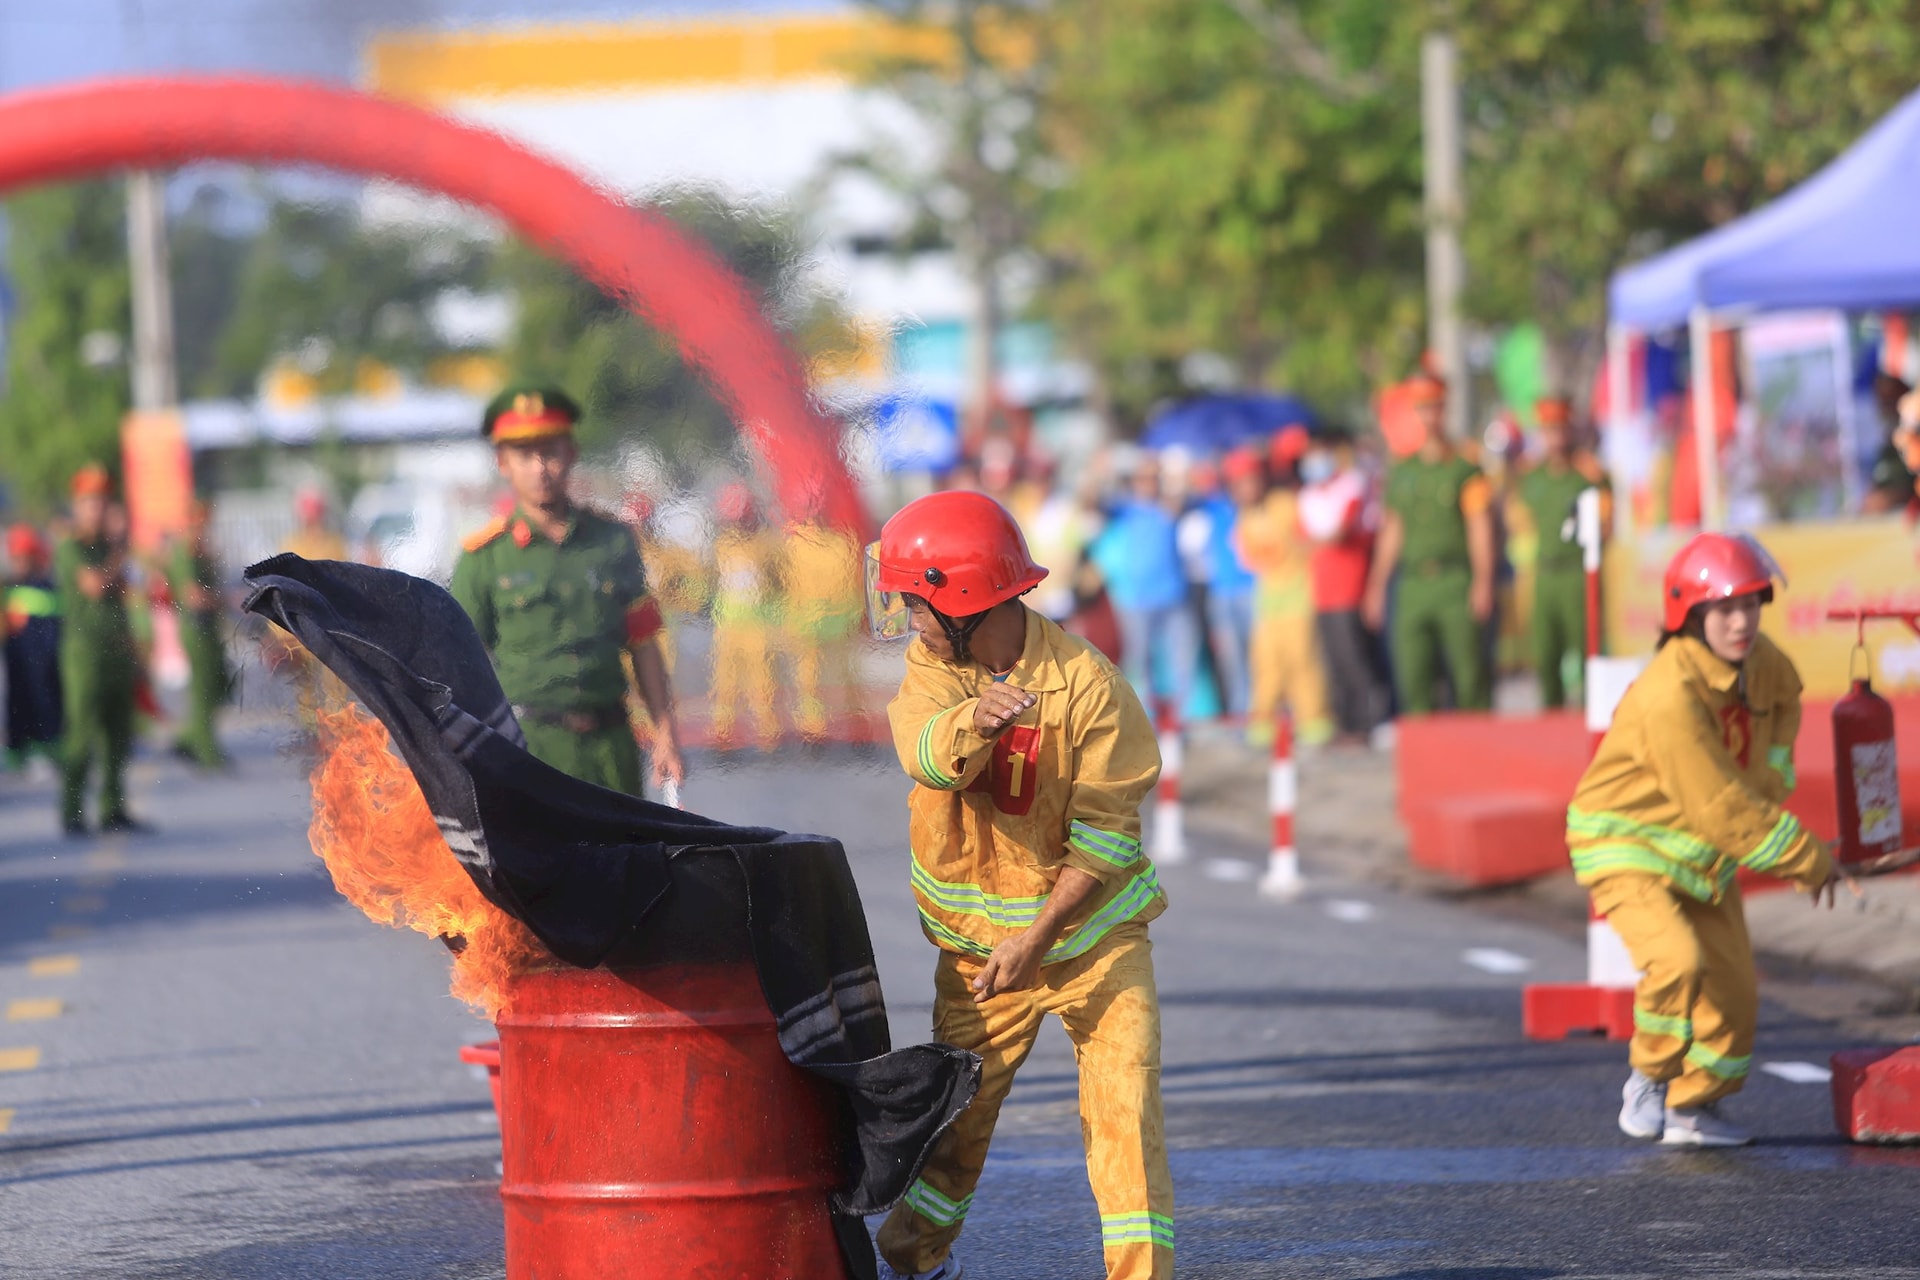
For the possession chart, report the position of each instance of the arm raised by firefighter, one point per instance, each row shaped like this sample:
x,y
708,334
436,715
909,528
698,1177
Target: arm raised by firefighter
x,y
942,734
1695,768
1115,763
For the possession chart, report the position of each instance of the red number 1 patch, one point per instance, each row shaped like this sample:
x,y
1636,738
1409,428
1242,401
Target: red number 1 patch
x,y
1014,773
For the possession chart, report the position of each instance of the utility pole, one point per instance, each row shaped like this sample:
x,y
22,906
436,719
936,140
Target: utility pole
x,y
155,384
1445,212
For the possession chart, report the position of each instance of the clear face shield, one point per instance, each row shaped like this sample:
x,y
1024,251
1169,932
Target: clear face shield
x,y
887,614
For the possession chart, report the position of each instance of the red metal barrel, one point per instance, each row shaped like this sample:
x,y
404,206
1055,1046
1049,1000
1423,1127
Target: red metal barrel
x,y
651,1126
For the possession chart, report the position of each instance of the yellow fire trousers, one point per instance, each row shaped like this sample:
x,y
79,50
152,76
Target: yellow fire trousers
x,y
1284,665
1695,1009
1107,1002
742,673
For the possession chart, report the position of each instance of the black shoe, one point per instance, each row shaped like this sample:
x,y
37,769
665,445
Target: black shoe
x,y
75,829
124,823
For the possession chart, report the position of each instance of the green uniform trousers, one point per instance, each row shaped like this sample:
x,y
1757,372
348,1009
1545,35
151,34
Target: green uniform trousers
x,y
207,689
1432,617
98,697
607,757
1559,631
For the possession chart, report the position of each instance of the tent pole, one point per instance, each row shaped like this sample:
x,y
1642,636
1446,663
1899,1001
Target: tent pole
x,y
1849,421
1619,412
1705,441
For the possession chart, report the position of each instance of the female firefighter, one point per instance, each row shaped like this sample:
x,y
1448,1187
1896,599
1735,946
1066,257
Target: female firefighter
x,y
1032,756
1685,790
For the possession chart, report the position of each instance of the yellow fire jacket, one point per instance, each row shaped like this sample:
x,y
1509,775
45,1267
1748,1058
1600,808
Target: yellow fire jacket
x,y
1688,783
992,821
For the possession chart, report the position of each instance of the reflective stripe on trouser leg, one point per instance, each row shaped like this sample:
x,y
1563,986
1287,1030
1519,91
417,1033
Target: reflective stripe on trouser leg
x,y
1726,1011
1647,916
923,1226
1699,978
1112,1014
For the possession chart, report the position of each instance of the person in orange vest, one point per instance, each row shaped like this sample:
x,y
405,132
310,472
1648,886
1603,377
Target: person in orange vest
x,y
1031,755
1687,789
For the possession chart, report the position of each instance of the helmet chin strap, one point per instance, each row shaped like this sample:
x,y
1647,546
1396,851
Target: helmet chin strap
x,y
960,631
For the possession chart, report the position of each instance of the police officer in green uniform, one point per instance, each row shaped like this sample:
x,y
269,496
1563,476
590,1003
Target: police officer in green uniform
x,y
558,595
1549,490
99,664
1438,533
193,577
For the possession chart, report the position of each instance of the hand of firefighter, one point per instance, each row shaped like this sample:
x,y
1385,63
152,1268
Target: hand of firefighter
x,y
1013,966
1829,888
999,705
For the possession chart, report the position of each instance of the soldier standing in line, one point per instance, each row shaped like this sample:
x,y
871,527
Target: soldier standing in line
x,y
33,653
99,665
1439,535
1549,490
558,595
193,578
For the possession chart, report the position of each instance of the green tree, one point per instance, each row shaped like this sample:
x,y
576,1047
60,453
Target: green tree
x,y
1242,178
628,376
1601,131
66,389
319,286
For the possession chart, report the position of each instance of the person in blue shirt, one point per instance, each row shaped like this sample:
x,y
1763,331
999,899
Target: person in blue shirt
x,y
1223,584
1138,556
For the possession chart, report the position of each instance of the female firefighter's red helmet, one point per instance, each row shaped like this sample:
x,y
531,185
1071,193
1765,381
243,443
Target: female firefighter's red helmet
x,y
961,552
1717,566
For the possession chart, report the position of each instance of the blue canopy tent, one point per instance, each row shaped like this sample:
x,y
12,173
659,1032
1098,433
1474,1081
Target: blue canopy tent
x,y
1847,239
1218,423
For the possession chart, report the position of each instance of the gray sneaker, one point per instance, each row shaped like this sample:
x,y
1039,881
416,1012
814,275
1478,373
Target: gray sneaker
x,y
1702,1127
948,1270
1643,1107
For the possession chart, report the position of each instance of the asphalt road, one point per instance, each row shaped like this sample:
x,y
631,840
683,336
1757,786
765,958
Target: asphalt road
x,y
212,1067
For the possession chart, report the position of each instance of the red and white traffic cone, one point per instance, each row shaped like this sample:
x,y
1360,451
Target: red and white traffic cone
x,y
1169,823
1282,880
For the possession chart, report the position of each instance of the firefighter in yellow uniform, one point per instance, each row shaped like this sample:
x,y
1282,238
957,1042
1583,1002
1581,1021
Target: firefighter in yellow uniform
x,y
746,612
1685,790
1032,755
1284,658
823,599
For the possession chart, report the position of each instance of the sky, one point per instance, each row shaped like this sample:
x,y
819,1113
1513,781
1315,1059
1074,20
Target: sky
x,y
47,42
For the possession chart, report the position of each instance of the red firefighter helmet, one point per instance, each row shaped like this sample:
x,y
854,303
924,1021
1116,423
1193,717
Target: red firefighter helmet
x,y
961,552
1717,566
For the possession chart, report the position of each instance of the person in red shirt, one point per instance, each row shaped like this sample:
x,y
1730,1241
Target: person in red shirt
x,y
1339,512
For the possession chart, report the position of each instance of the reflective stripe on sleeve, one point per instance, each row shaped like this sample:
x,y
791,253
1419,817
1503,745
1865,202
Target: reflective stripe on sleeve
x,y
1778,842
935,1206
1108,846
936,777
1780,760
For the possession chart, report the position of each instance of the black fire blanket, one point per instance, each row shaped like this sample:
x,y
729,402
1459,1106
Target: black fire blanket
x,y
604,878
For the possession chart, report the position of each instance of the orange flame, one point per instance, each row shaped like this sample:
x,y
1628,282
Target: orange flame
x,y
372,828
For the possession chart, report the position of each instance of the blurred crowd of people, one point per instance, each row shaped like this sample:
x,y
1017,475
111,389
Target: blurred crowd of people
x,y
1307,571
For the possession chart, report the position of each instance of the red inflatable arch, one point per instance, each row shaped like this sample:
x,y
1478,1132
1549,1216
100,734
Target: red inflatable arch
x,y
639,257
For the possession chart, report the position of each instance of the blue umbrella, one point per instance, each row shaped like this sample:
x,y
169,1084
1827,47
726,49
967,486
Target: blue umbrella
x,y
1218,423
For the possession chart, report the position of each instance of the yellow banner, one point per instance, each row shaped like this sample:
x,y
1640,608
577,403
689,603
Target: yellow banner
x,y
1852,564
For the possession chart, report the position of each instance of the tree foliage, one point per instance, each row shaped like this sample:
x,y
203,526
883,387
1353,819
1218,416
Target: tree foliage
x,y
629,376
67,260
1602,130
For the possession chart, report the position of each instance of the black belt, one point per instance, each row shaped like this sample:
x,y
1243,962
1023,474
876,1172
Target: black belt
x,y
591,720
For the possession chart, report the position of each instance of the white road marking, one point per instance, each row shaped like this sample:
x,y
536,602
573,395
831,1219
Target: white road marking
x,y
1231,870
1349,910
1798,1072
1494,960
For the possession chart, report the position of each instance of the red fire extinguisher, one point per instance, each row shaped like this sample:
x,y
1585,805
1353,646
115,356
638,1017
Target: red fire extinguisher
x,y
1866,768
1866,773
